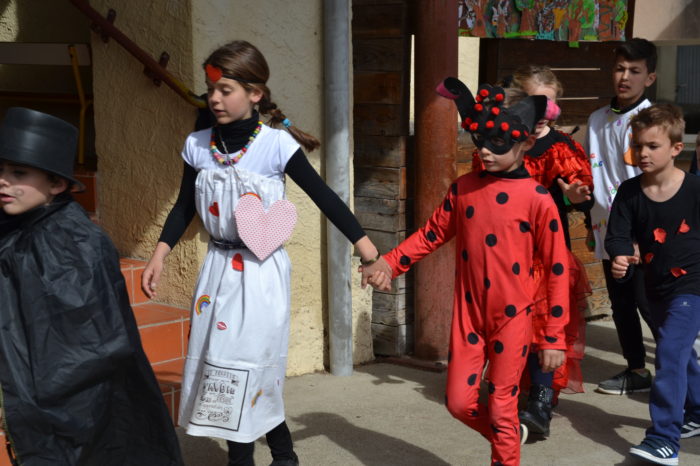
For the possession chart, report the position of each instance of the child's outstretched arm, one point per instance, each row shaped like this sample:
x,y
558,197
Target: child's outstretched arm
x,y
438,230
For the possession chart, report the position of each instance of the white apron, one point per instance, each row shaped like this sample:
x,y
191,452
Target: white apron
x,y
236,359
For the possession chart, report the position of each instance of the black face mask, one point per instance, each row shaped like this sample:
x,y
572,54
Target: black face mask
x,y
491,124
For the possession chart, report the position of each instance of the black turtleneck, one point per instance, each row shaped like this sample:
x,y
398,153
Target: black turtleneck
x,y
235,135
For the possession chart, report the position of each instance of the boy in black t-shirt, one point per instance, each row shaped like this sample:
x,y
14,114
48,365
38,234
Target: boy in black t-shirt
x,y
660,210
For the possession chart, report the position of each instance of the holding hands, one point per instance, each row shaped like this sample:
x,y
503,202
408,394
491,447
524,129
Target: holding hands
x,y
378,274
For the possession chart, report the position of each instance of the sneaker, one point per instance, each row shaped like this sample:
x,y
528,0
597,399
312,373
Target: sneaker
x,y
627,381
655,450
690,428
523,434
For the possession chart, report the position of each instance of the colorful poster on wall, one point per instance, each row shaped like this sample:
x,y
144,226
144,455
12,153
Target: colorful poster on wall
x,y
566,20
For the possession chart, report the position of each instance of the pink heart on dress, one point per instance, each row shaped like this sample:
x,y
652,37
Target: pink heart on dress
x,y
264,231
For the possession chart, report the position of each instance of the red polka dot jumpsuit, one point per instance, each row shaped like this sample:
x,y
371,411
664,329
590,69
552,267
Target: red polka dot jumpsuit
x,y
501,222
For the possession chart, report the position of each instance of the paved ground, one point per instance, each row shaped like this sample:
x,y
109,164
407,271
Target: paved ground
x,y
387,414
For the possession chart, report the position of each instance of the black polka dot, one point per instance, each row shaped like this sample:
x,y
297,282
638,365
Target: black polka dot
x,y
472,379
454,188
468,297
532,271
554,225
498,347
447,205
430,235
502,198
495,429
474,413
487,283
514,391
405,260
491,240
516,268
510,310
524,350
541,189
524,227
470,211
550,339
558,268
465,254
473,338
497,463
492,387
557,311
528,310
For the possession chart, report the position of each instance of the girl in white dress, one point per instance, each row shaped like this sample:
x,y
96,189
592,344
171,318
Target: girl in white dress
x,y
236,359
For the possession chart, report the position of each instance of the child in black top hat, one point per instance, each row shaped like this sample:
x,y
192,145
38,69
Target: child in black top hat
x,y
75,385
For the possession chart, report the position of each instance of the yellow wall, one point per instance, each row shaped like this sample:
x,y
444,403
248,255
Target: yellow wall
x,y
140,130
667,20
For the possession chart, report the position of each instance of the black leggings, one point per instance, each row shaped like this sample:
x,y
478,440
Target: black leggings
x,y
279,440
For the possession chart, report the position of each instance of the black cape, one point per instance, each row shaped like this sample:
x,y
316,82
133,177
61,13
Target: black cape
x,y
76,386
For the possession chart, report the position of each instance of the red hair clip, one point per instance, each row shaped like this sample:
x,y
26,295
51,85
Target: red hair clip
x,y
214,73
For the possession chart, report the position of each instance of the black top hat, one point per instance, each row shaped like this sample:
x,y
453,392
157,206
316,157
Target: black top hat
x,y
39,140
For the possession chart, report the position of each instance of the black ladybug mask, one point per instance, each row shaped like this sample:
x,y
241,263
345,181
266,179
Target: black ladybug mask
x,y
491,124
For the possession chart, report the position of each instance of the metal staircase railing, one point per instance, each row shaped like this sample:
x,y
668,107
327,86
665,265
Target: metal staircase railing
x,y
153,69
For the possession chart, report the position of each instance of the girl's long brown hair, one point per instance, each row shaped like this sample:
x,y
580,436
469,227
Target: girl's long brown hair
x,y
243,60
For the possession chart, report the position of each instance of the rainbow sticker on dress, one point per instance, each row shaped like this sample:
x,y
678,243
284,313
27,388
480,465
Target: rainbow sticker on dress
x,y
202,303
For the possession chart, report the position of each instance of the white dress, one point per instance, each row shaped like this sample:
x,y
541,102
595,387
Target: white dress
x,y
237,353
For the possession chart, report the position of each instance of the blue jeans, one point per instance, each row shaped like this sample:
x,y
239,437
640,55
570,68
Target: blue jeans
x,y
677,381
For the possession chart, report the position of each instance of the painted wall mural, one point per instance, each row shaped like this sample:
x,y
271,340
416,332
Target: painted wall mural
x,y
566,20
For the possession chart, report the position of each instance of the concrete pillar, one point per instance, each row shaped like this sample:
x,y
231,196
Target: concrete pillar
x,y
435,169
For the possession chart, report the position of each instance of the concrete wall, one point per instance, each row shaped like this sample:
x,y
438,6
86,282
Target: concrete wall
x,y
141,128
668,20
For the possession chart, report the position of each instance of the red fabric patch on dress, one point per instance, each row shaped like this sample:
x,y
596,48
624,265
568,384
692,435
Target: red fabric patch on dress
x,y
648,257
214,209
677,272
660,235
237,262
684,228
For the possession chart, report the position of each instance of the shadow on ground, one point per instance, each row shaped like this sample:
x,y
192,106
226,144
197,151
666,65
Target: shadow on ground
x,y
368,446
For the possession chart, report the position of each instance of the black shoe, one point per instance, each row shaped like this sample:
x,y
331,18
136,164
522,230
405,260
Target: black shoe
x,y
538,413
286,462
627,381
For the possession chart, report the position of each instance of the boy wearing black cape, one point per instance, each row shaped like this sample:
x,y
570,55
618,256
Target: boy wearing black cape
x,y
75,385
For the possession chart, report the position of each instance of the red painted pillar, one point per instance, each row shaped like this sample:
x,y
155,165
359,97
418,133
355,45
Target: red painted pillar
x,y
435,168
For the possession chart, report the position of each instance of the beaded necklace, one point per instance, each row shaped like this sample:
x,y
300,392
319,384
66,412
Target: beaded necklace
x,y
226,159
